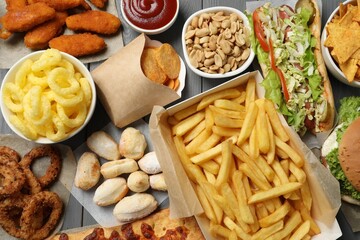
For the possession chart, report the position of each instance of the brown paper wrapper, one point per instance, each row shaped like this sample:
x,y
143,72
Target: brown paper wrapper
x,y
183,200
125,92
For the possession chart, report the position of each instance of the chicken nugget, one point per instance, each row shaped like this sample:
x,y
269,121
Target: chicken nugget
x,y
168,60
94,21
15,4
39,37
150,67
78,44
25,18
60,5
99,3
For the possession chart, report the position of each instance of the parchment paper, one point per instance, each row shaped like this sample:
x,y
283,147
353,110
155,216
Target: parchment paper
x,y
62,186
12,49
183,200
104,215
123,89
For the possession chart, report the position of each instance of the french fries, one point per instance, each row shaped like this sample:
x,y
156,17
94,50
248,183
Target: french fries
x,y
248,176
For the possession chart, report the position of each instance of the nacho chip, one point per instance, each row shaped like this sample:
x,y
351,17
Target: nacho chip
x,y
150,66
347,19
168,60
349,68
342,10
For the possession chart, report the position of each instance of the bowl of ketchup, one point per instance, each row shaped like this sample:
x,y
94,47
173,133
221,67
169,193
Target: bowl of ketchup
x,y
150,16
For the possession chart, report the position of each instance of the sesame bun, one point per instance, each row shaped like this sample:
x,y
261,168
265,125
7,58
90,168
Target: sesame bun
x,y
349,150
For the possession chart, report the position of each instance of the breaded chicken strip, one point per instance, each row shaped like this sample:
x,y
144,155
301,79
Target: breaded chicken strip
x,y
25,18
99,3
94,21
78,44
39,37
62,5
15,4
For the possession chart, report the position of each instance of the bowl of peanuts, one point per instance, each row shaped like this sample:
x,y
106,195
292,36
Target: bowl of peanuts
x,y
47,96
216,42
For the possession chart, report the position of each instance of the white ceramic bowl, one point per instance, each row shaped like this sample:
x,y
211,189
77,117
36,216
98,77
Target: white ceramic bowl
x,y
329,61
227,10
149,31
78,65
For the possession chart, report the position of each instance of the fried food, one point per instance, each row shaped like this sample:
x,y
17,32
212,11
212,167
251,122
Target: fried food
x,y
10,153
87,171
60,5
168,60
25,18
150,66
55,163
94,21
78,44
99,3
15,4
8,220
132,143
37,201
103,145
39,37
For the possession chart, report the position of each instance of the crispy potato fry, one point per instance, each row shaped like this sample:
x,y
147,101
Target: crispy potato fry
x,y
226,190
240,99
306,195
225,132
223,94
301,231
227,159
212,141
250,93
208,210
219,230
207,187
246,169
229,105
294,156
209,118
227,113
197,141
285,165
187,124
186,112
280,172
261,127
230,224
270,156
194,132
223,121
172,121
249,123
274,192
261,210
184,158
254,151
210,177
280,153
207,155
290,225
277,127
240,193
268,231
305,214
276,216
211,166
298,172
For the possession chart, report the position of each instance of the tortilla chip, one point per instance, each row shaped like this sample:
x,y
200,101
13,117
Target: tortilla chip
x,y
349,69
170,83
357,74
168,60
150,66
342,10
347,19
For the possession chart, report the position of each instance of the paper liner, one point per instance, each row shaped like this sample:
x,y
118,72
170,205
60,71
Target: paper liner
x,y
62,186
14,48
183,200
104,215
125,92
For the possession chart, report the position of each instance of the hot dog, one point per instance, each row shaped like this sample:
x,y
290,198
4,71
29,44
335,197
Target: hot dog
x,y
287,44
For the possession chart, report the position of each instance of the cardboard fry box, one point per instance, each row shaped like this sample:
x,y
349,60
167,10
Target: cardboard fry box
x,y
123,89
183,200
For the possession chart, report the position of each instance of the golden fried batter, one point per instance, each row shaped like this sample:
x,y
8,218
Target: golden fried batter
x,y
25,18
39,37
99,3
78,44
94,21
60,5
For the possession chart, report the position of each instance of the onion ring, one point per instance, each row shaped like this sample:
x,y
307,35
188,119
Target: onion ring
x,y
13,96
62,75
49,58
69,120
14,177
24,70
8,221
23,127
11,153
55,163
37,201
32,185
56,130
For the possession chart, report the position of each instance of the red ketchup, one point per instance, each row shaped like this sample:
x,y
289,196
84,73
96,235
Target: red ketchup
x,y
149,14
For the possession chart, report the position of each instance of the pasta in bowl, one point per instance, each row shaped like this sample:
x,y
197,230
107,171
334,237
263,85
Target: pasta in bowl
x,y
47,96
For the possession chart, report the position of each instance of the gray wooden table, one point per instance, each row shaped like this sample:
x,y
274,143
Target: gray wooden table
x,y
75,214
